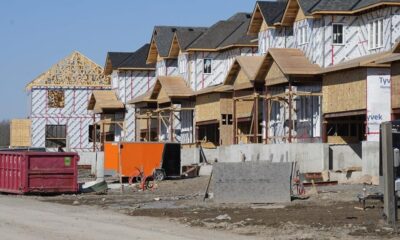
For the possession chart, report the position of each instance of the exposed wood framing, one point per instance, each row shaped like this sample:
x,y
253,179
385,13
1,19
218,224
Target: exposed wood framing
x,y
75,70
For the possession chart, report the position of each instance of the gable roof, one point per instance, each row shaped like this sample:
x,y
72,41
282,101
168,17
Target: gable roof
x,y
311,8
101,101
249,65
268,12
74,70
161,41
128,60
183,38
220,88
173,87
290,61
225,34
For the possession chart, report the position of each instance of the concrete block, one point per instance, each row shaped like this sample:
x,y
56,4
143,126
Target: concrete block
x,y
205,170
252,182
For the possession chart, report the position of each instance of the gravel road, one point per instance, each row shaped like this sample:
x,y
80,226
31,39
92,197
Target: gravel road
x,y
24,218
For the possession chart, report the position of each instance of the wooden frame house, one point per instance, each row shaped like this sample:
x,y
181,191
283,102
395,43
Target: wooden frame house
x,y
394,60
293,96
111,111
356,100
247,99
214,115
59,98
131,77
171,104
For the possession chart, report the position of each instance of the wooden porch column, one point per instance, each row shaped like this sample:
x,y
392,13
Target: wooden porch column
x,y
256,118
94,132
159,127
171,123
149,127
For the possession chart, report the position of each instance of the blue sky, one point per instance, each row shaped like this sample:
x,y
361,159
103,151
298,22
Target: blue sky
x,y
34,35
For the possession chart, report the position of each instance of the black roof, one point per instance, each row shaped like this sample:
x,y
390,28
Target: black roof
x,y
116,58
188,36
225,33
272,11
163,36
310,6
137,59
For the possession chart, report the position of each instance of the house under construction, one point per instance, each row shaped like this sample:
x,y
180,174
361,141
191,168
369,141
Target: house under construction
x,y
58,104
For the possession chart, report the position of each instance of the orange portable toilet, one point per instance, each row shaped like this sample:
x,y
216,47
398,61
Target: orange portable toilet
x,y
143,159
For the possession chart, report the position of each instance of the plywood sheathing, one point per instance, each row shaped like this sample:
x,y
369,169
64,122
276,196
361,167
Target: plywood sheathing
x,y
288,61
245,105
208,107
290,14
220,88
243,72
372,60
75,70
345,91
20,133
167,88
104,100
395,81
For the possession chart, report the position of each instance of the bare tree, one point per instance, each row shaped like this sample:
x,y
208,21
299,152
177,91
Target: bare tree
x,y
4,133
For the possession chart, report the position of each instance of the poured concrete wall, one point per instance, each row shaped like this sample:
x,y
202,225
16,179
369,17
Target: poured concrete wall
x,y
370,161
345,156
311,157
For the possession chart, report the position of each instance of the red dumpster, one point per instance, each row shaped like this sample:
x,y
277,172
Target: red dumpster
x,y
38,172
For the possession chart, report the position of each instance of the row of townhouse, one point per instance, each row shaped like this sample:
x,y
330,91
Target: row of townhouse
x,y
292,71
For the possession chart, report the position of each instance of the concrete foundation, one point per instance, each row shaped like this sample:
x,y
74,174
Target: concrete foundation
x,y
310,157
345,156
252,182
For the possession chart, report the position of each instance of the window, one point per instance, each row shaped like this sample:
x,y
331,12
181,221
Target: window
x,y
92,133
56,136
302,35
375,39
275,111
55,99
262,45
337,33
304,111
182,65
227,119
207,66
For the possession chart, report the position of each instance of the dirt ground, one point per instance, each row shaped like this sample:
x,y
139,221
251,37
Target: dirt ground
x,y
331,212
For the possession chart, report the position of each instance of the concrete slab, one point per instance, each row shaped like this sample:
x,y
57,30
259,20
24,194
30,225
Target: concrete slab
x,y
252,182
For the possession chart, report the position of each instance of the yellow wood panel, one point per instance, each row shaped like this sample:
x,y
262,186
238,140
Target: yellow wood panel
x,y
241,79
226,134
300,15
20,133
344,91
208,107
244,108
275,76
226,104
395,85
